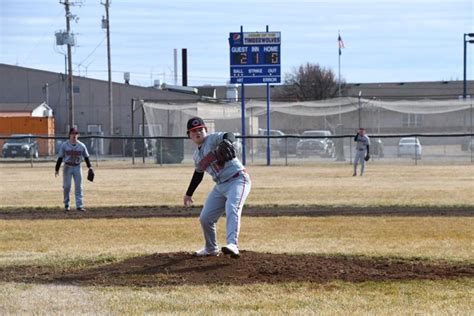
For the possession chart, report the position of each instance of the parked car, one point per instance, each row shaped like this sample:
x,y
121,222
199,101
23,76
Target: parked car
x,y
274,142
288,146
377,147
323,147
20,147
91,144
408,146
140,146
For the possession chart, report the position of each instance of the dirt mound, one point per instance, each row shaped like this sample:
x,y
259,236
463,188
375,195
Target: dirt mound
x,y
165,211
252,267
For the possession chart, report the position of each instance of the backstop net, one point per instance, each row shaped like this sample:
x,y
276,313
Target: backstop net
x,y
442,127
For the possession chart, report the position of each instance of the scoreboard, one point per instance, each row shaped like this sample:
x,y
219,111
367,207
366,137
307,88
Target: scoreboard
x,y
255,57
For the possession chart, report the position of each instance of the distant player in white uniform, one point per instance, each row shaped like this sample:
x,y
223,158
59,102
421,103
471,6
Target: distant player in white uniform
x,y
228,195
72,152
362,151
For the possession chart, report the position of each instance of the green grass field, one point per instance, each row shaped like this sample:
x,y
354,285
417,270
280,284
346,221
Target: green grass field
x,y
122,184
79,242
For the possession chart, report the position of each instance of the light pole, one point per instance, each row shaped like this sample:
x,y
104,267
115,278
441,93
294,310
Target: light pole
x,y
360,94
465,40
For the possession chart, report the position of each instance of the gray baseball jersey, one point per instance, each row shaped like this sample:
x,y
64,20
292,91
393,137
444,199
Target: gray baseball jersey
x,y
73,153
205,160
362,142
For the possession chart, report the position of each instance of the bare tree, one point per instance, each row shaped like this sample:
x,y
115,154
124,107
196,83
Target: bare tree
x,y
310,82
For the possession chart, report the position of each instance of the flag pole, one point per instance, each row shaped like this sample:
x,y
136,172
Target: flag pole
x,y
339,73
340,129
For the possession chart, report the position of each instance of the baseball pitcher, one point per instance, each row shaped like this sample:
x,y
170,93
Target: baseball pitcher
x,y
216,155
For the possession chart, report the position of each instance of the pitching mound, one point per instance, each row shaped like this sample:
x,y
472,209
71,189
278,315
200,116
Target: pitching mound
x,y
252,267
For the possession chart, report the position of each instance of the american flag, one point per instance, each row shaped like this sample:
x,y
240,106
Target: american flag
x,y
341,43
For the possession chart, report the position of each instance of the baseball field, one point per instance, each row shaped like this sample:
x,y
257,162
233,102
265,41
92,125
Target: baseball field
x,y
314,240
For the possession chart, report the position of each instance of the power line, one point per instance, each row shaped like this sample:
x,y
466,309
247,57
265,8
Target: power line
x,y
93,51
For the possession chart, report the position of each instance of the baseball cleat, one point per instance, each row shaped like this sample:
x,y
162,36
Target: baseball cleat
x,y
231,250
66,209
81,209
204,253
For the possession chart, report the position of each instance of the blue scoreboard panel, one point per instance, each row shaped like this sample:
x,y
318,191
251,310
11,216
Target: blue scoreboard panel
x,y
255,57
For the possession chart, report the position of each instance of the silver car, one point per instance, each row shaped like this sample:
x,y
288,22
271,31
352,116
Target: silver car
x,y
323,147
409,146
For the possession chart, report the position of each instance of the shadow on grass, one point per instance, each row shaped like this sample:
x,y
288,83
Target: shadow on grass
x,y
181,268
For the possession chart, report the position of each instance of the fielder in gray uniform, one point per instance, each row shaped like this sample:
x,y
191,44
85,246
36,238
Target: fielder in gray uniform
x,y
362,151
228,195
72,152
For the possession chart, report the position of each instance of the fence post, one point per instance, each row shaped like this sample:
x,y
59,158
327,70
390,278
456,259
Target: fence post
x,y
144,150
286,151
96,152
161,152
416,151
350,151
471,148
252,146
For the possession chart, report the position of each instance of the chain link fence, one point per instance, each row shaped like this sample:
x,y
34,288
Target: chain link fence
x,y
280,150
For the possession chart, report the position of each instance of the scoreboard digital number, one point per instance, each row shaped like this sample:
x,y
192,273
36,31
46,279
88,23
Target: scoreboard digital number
x,y
255,57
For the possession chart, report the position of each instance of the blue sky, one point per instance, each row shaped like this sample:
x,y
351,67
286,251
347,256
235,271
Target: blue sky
x,y
386,41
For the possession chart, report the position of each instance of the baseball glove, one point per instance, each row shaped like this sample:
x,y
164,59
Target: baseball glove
x,y
90,175
225,151
367,157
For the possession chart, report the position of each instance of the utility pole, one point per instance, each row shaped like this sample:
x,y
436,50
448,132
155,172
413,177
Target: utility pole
x,y
106,25
70,43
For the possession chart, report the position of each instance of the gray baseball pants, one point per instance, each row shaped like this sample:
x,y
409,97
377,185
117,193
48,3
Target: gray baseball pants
x,y
228,197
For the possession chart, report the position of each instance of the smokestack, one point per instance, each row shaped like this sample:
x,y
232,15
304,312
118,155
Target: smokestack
x,y
184,56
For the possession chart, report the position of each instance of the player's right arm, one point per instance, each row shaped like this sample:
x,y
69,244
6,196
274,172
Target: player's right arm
x,y
59,161
195,181
58,165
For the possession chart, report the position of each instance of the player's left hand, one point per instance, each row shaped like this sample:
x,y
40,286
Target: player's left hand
x,y
56,173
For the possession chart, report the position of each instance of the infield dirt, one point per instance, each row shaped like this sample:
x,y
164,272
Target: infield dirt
x,y
180,268
166,211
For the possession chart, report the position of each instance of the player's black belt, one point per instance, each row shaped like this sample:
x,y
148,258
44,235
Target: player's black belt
x,y
71,164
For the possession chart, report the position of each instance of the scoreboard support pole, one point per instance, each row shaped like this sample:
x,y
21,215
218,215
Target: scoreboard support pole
x,y
244,138
269,149
242,99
